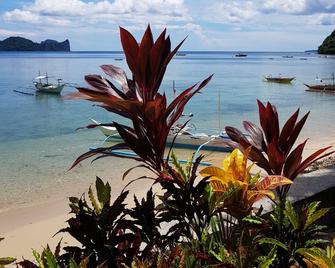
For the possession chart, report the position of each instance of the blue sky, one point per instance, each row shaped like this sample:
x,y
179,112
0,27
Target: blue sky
x,y
238,25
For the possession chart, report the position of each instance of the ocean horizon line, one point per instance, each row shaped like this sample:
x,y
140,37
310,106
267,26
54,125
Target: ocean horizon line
x,y
181,51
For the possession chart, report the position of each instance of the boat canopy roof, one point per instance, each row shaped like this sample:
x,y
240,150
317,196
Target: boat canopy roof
x,y
40,77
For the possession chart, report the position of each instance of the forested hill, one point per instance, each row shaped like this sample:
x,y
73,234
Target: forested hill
x,y
23,44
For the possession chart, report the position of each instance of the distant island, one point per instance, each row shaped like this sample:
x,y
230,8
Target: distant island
x,y
328,45
24,44
311,51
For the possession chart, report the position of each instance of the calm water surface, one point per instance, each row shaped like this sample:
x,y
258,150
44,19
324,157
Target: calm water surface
x,y
37,129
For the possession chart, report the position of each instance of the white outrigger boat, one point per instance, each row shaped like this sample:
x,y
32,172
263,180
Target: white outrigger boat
x,y
42,85
185,138
106,130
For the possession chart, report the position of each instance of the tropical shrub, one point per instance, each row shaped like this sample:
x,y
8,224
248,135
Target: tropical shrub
x,y
107,236
271,148
139,100
296,240
330,251
49,259
236,191
185,202
251,188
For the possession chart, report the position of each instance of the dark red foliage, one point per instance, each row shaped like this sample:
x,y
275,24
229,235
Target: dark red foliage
x,y
271,148
138,99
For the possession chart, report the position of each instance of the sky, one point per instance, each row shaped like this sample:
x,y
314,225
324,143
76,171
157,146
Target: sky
x,y
228,25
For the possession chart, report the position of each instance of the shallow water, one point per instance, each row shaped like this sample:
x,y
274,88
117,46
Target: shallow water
x,y
38,141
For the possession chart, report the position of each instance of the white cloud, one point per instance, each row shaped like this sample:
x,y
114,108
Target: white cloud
x,y
284,6
5,33
231,12
79,13
18,15
271,13
326,19
302,7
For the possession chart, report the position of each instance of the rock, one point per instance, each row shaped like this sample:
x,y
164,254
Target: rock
x,y
23,44
328,45
52,45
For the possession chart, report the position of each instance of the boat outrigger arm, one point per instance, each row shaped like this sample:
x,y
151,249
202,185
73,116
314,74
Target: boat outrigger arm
x,y
134,155
182,161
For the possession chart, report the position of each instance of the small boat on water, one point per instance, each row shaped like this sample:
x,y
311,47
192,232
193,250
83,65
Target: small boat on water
x,y
42,85
241,55
279,79
185,139
322,86
106,130
288,56
181,54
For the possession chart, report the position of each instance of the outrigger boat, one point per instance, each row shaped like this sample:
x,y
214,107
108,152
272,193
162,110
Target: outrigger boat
x,y
241,55
106,130
42,85
279,79
322,87
185,138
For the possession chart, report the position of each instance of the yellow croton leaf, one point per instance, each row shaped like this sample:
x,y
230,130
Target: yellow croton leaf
x,y
235,164
219,178
234,171
213,172
255,195
271,182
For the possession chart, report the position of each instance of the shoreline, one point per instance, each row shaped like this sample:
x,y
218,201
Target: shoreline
x,y
38,221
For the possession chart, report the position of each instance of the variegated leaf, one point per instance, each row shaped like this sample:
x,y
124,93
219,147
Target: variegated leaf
x,y
271,182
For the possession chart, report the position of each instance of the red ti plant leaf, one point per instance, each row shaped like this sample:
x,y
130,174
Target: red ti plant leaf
x,y
256,133
138,99
271,148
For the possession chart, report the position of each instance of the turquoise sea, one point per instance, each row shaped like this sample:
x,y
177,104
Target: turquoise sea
x,y
38,140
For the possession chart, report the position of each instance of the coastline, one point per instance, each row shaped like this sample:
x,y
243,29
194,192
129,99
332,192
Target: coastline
x,y
38,222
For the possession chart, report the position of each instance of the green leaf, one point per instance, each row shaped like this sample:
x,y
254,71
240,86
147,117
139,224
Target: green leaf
x,y
6,260
94,202
103,191
331,251
178,166
311,218
272,241
266,261
51,259
38,259
315,242
312,207
188,166
316,256
73,264
291,215
253,219
216,255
